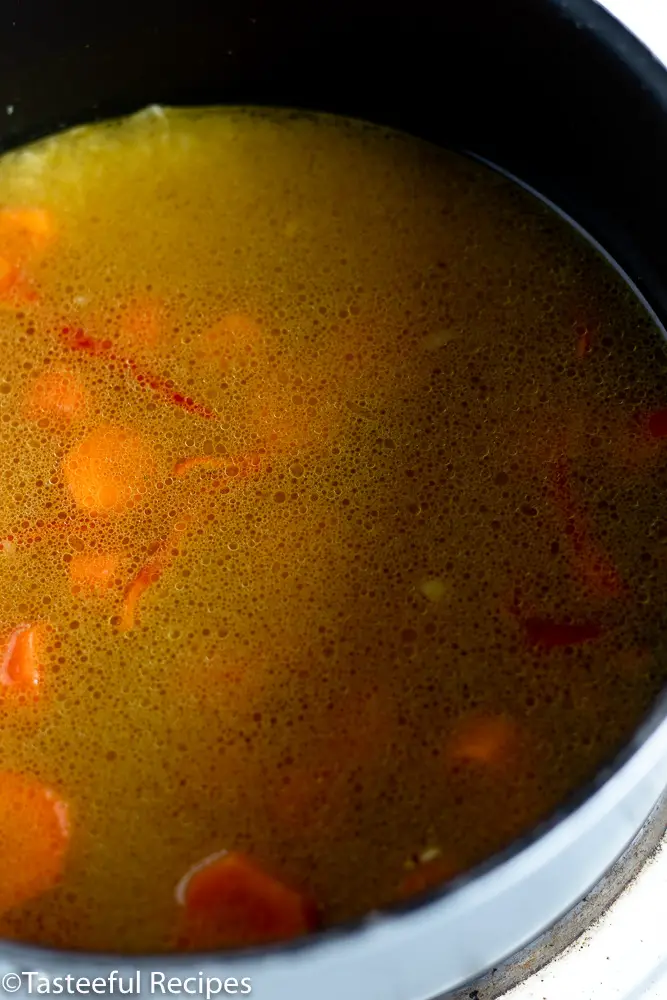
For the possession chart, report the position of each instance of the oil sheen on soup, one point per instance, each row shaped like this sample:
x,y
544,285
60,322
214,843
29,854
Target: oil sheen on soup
x,y
333,520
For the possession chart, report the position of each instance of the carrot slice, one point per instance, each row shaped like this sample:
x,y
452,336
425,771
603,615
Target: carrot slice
x,y
8,274
230,901
20,669
24,232
57,394
107,469
16,290
550,634
27,228
488,740
92,572
34,834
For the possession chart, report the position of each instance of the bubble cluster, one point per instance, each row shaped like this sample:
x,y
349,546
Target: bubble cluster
x,y
324,464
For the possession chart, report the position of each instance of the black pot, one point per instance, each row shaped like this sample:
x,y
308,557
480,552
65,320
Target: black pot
x,y
558,94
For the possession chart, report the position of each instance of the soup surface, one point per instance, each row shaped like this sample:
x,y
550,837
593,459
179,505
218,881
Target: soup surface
x,y
333,507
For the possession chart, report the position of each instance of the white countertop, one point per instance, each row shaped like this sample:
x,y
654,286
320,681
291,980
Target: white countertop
x,y
646,18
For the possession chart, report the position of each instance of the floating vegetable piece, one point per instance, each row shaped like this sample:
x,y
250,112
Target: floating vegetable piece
x,y
106,470
34,836
230,902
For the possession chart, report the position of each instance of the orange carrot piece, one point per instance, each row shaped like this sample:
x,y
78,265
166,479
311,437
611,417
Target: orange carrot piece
x,y
8,275
20,668
34,835
487,740
106,470
428,875
57,394
16,291
24,232
229,901
28,229
92,572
